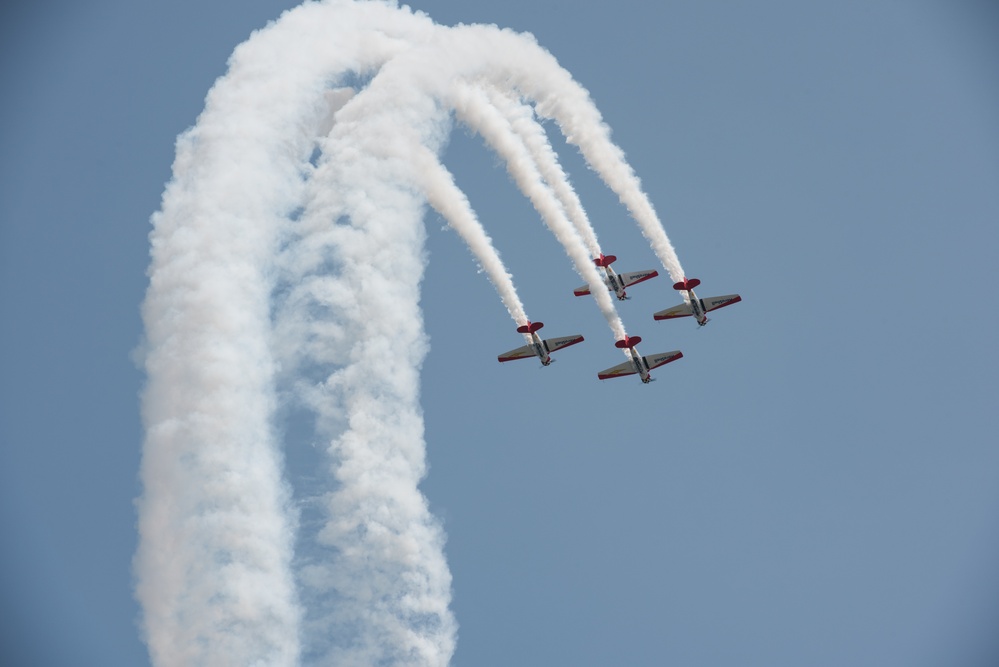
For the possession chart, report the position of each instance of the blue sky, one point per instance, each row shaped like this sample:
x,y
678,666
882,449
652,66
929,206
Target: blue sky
x,y
814,483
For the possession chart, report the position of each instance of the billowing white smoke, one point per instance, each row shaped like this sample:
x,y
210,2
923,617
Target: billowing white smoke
x,y
278,279
376,586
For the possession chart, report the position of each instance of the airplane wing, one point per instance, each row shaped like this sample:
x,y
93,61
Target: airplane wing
x,y
683,310
520,353
581,291
552,344
716,302
619,371
657,360
630,279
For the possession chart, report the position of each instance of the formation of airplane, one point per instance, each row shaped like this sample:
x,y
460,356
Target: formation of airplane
x,y
541,349
692,306
616,282
637,363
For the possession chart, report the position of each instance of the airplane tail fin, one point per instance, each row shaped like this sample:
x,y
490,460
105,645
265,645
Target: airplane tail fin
x,y
628,342
686,284
605,260
530,327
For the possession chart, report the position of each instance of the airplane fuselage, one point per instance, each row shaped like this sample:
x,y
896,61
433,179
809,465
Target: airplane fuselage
x,y
639,364
636,363
692,305
539,349
697,306
615,283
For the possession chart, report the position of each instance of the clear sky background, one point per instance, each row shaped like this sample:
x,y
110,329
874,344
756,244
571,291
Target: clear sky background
x,y
814,483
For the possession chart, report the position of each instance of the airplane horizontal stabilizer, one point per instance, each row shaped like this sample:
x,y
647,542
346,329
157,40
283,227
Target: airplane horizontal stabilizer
x,y
716,302
686,284
530,327
605,260
629,341
683,310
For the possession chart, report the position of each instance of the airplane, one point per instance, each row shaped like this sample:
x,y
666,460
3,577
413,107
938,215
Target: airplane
x,y
615,282
537,347
638,364
699,308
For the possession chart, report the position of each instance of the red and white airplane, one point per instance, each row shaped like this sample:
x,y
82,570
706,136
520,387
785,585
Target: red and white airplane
x,y
638,364
699,308
541,349
615,282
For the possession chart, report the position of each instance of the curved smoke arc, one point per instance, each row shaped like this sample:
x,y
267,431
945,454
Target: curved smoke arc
x,y
254,294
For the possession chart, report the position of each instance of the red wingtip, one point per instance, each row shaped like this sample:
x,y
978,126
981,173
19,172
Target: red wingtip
x,y
629,341
686,284
530,327
605,260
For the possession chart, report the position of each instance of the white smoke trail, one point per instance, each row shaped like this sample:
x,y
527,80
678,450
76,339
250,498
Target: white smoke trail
x,y
213,567
215,530
522,121
475,109
534,73
588,131
249,229
374,578
449,201
379,588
